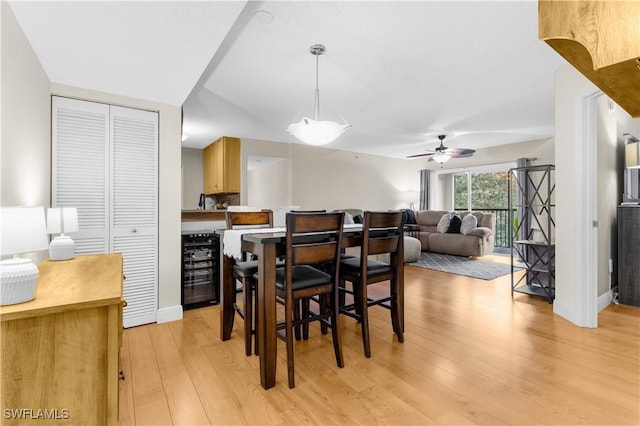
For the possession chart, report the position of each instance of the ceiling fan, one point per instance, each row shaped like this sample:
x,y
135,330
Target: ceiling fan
x,y
442,154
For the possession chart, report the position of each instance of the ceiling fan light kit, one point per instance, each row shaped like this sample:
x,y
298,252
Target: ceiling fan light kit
x,y
315,131
442,154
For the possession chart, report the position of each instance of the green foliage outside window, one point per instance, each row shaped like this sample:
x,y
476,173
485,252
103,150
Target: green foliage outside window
x,y
488,191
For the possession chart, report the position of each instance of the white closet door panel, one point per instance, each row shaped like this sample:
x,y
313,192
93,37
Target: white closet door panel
x,y
134,207
80,168
140,285
135,164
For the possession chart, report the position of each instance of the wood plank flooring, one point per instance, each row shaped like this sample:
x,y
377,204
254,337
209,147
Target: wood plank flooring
x,y
471,355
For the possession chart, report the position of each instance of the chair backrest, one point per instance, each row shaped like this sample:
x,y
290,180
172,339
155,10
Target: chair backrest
x,y
382,232
313,238
245,219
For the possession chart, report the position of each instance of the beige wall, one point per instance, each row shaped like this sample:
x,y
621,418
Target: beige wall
x,y
542,150
325,178
270,186
25,122
505,156
192,178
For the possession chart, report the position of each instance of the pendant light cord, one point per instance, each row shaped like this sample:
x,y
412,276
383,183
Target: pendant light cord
x,y
316,106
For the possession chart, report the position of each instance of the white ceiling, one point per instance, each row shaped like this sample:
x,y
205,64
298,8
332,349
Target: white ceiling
x,y
399,72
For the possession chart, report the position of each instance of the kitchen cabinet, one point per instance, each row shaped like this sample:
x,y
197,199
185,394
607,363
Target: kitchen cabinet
x,y
221,161
601,39
60,350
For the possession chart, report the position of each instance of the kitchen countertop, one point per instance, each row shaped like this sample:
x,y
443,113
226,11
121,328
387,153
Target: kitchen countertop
x,y
198,215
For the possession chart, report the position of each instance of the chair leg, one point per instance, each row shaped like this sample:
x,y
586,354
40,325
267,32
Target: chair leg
x,y
247,307
254,298
305,314
296,316
337,347
288,311
364,317
323,308
395,311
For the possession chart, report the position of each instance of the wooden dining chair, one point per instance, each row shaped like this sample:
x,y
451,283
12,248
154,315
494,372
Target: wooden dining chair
x,y
311,239
382,233
244,270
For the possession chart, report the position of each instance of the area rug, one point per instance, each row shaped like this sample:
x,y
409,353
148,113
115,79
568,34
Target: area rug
x,y
470,267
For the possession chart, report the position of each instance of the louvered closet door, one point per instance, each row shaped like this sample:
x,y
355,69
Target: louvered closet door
x,y
80,169
134,195
105,162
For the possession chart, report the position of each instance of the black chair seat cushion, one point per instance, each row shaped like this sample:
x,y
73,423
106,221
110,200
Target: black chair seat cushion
x,y
249,268
303,276
352,266
246,269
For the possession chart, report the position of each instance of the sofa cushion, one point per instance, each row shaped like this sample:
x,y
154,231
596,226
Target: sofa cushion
x,y
443,224
469,222
456,244
429,217
480,232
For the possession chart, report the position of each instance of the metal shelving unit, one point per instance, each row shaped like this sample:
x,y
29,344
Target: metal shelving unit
x,y
531,212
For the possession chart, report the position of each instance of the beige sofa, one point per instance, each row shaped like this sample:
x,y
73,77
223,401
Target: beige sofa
x,y
477,242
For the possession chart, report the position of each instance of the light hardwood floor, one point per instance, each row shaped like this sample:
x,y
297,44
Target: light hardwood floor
x,y
471,355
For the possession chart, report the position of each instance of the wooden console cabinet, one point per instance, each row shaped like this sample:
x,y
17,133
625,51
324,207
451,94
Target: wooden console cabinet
x,y
221,163
60,350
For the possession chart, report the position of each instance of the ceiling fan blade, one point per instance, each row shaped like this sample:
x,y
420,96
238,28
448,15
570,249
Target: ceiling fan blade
x,y
461,152
426,154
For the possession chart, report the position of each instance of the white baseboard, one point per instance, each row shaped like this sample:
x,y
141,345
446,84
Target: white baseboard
x,y
604,300
564,311
172,313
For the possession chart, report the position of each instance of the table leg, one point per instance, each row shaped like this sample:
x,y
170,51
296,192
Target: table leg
x,y
266,302
228,295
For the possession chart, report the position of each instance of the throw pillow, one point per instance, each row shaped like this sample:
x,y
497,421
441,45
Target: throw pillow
x,y
348,219
443,224
454,225
469,222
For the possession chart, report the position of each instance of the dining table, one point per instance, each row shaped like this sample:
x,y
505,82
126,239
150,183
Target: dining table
x,y
267,244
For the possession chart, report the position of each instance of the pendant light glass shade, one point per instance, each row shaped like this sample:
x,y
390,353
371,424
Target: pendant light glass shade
x,y
441,157
315,131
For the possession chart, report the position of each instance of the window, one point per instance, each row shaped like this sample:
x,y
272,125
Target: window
x,y
480,190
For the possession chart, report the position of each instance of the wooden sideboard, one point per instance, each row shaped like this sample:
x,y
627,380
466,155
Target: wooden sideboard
x,y
60,351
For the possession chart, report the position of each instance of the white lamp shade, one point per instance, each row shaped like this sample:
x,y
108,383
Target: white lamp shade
x,y
62,219
632,155
314,132
22,230
441,157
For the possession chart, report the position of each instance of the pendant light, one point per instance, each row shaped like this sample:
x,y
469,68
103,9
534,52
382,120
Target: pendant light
x,y
315,131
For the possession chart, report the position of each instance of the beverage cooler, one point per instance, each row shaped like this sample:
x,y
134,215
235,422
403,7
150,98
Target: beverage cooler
x,y
200,270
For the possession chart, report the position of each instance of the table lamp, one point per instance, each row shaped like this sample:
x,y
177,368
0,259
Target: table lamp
x,y
22,230
59,221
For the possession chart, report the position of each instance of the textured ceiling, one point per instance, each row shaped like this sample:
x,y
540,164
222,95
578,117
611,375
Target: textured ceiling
x,y
399,72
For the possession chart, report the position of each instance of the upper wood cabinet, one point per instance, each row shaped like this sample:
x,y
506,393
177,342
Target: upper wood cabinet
x,y
222,166
601,39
